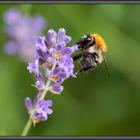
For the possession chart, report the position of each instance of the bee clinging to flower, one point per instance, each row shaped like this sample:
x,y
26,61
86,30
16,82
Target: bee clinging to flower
x,y
91,49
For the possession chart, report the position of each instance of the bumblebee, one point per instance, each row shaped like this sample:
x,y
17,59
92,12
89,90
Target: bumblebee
x,y
91,49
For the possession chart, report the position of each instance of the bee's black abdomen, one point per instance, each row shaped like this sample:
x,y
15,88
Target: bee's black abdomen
x,y
87,63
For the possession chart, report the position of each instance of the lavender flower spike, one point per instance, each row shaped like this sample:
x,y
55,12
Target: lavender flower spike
x,y
53,56
22,31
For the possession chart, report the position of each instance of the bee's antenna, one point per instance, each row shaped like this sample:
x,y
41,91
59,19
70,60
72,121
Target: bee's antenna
x,y
106,65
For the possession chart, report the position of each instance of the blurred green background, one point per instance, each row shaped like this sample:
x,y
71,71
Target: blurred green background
x,y
93,104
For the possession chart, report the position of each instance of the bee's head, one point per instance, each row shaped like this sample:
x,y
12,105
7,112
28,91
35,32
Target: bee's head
x,y
85,42
90,40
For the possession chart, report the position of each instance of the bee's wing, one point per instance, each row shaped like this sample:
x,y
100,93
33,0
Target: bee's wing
x,y
106,65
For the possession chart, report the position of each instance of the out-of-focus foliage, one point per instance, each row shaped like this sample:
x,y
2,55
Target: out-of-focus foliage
x,y
93,104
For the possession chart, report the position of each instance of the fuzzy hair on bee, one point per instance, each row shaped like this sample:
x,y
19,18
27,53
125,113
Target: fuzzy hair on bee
x,y
91,49
99,42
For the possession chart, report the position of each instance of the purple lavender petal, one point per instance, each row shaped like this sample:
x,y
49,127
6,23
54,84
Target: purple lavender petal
x,y
52,37
11,48
43,110
33,67
49,111
56,70
40,53
41,114
63,75
51,50
67,51
49,103
12,16
39,84
66,63
67,39
56,88
28,103
41,61
40,44
61,35
59,47
48,73
45,103
74,48
38,20
50,60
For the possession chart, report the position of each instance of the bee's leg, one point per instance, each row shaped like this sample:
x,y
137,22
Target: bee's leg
x,y
83,70
75,57
82,53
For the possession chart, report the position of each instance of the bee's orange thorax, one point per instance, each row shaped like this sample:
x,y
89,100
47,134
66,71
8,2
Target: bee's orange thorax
x,y
99,42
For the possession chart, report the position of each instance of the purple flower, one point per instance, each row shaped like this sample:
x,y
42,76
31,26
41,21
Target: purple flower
x,y
62,37
56,88
55,57
28,103
53,62
40,44
42,112
74,48
22,31
40,84
12,16
11,47
58,75
67,64
34,67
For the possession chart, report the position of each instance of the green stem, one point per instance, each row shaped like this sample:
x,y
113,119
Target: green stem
x,y
27,127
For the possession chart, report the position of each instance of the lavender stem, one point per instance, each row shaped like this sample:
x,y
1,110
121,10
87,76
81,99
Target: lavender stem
x,y
27,127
